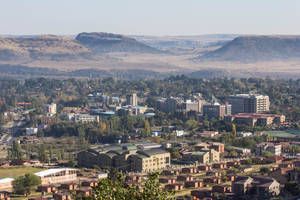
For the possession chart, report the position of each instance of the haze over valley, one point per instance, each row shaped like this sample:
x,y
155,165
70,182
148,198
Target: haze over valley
x,y
215,55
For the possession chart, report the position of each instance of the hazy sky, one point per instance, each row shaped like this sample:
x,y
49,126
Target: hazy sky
x,y
150,17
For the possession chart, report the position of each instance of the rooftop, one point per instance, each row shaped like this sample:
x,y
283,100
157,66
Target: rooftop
x,y
6,180
51,171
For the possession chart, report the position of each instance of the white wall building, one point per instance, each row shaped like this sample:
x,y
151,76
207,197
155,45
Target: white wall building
x,y
31,131
50,109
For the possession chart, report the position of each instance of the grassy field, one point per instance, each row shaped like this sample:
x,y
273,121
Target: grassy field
x,y
15,172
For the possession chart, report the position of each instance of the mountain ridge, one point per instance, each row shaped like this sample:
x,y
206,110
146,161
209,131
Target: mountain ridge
x,y
257,48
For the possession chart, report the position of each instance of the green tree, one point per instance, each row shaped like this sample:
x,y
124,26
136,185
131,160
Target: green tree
x,y
43,156
264,170
147,128
25,184
191,124
115,187
51,152
16,150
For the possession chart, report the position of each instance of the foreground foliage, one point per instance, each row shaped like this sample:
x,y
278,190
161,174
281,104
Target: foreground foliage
x,y
115,188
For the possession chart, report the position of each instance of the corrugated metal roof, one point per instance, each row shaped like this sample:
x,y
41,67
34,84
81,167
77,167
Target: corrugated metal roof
x,y
6,180
52,171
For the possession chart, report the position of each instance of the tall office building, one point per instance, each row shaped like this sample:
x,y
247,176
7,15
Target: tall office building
x,y
249,103
131,99
216,110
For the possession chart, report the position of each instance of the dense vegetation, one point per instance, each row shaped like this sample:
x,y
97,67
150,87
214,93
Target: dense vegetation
x,y
284,96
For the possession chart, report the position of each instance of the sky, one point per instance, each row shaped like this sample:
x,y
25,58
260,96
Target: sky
x,y
150,17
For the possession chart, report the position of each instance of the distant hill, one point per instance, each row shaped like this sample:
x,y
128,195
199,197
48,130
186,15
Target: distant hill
x,y
257,48
86,46
41,47
108,42
193,41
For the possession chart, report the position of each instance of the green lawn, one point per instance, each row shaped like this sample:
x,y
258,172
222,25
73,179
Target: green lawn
x,y
14,172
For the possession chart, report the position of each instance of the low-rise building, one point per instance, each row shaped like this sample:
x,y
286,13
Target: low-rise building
x,y
31,131
62,196
47,188
254,119
222,188
57,175
207,134
6,184
268,146
149,160
84,118
193,184
244,134
174,187
261,186
202,157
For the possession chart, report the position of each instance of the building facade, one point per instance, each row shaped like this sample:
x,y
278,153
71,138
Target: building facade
x,y
249,103
131,99
57,175
216,110
136,158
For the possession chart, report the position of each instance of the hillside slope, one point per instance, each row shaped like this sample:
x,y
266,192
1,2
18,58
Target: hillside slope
x,y
257,48
86,46
108,42
41,48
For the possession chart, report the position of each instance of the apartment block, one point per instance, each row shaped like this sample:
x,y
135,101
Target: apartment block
x,y
249,103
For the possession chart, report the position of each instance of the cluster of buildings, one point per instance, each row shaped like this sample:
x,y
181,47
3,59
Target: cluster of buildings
x,y
176,104
273,148
204,153
139,157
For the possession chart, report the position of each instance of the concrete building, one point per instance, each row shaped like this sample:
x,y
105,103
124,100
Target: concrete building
x,y
57,176
132,110
6,184
202,157
216,110
84,118
149,160
259,186
244,134
31,131
132,99
190,105
253,119
249,103
50,109
268,146
143,157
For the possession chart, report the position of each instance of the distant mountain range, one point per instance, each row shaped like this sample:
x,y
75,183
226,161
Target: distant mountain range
x,y
84,46
100,54
257,48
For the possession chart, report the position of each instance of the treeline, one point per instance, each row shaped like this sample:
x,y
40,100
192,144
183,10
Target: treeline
x,y
105,131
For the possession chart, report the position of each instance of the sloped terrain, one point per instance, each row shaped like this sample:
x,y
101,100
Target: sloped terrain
x,y
257,48
108,42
